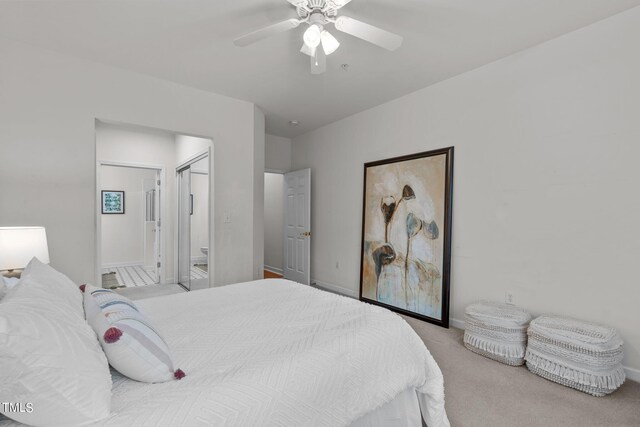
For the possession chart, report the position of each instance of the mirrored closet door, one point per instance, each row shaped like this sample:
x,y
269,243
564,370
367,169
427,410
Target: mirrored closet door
x,y
193,224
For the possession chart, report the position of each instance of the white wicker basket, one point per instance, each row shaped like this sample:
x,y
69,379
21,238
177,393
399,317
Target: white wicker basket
x,y
497,331
577,354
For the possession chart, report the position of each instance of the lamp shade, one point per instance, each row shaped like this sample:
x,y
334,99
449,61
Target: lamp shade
x,y
19,244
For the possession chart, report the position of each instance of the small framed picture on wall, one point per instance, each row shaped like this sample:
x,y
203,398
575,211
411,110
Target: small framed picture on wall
x,y
112,202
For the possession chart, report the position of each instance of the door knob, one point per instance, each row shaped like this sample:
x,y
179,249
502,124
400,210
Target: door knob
x,y
305,234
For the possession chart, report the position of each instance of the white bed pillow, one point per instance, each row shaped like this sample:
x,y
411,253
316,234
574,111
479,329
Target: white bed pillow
x,y
58,286
132,345
49,355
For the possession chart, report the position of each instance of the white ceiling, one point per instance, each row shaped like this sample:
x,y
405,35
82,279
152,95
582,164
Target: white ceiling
x,y
190,42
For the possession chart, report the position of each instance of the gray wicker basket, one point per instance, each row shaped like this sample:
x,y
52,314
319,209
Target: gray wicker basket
x,y
577,354
497,331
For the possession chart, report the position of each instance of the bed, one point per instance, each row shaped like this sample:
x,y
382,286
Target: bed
x,y
277,353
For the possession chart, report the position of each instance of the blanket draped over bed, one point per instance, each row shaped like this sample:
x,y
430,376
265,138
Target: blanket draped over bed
x,y
276,353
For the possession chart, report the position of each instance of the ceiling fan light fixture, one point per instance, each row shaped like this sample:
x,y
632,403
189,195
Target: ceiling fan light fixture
x,y
312,36
311,51
329,43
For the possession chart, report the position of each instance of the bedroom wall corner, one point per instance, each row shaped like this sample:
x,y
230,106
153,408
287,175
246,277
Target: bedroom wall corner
x,y
546,146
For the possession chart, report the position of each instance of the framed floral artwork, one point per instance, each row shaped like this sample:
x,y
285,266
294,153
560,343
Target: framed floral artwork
x,y
406,234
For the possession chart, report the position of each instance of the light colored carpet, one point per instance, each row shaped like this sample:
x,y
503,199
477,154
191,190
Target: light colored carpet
x,y
149,291
481,392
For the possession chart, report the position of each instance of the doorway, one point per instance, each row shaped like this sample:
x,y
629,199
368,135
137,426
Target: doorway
x,y
273,225
153,202
287,220
297,226
193,223
130,224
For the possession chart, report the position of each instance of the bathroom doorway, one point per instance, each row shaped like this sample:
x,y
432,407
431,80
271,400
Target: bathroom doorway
x,y
130,224
148,254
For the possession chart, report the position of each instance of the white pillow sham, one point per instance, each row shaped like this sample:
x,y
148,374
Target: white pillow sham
x,y
55,285
132,345
49,355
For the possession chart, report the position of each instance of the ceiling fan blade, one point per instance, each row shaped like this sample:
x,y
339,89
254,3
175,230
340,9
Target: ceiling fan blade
x,y
307,50
269,31
318,62
337,4
299,3
369,33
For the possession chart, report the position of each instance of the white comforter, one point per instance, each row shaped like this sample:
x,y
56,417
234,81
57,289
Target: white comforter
x,y
276,353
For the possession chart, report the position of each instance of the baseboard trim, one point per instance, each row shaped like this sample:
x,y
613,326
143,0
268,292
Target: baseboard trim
x,y
335,288
274,270
122,264
632,374
456,323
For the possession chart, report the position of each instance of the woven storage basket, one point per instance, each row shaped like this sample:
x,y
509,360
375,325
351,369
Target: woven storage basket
x,y
577,354
497,331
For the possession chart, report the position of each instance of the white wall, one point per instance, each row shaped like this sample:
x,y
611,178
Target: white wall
x,y
546,176
274,221
123,234
48,106
258,193
277,153
187,147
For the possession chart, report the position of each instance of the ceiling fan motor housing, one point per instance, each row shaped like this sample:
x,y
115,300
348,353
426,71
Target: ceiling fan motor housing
x,y
322,7
318,19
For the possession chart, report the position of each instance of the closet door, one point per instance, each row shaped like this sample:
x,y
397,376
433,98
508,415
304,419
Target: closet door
x,y
184,227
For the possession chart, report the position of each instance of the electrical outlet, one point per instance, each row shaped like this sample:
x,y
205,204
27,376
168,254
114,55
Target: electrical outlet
x,y
227,218
508,298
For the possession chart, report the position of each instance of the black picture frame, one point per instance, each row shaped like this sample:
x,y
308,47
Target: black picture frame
x,y
383,253
107,207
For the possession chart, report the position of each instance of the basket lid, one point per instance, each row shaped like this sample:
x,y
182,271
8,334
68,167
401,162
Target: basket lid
x,y
577,332
496,313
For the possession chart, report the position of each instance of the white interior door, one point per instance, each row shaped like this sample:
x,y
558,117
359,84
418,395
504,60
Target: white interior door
x,y
297,226
151,188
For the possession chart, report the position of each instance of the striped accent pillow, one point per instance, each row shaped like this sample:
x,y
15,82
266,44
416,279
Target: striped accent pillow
x,y
132,345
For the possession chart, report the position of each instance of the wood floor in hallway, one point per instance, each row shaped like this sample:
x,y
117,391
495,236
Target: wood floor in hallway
x,y
271,275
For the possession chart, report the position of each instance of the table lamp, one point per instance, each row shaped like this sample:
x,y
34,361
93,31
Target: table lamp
x,y
18,245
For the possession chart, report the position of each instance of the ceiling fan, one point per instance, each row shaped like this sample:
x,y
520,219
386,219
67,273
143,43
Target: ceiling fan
x,y
317,41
